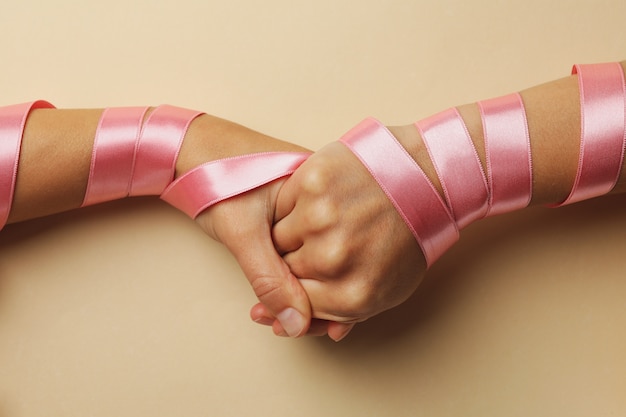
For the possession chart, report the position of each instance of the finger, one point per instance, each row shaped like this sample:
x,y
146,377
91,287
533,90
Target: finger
x,y
288,234
272,281
261,315
287,197
333,301
317,328
338,331
301,265
322,258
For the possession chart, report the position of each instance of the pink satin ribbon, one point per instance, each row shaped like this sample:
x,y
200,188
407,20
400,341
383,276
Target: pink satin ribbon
x,y
459,170
158,147
435,223
218,180
12,122
409,189
131,157
507,148
114,154
603,127
130,160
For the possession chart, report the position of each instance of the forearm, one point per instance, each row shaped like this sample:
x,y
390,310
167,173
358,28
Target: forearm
x,y
393,207
57,148
74,158
554,126
53,165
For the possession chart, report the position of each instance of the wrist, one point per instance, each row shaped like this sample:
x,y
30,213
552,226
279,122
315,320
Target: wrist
x,y
435,175
219,159
211,138
410,139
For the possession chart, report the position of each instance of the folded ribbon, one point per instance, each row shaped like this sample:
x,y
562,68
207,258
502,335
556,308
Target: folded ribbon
x,y
210,183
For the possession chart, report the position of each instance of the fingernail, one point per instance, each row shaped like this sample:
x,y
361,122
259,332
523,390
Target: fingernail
x,y
342,335
266,321
292,321
340,338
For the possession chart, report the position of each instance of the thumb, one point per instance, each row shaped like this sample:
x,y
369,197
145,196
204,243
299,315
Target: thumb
x,y
272,281
243,224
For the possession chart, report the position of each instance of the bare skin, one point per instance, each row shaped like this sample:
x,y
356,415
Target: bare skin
x,y
354,261
346,253
54,170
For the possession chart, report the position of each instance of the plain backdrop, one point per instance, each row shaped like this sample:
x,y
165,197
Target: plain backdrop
x,y
128,309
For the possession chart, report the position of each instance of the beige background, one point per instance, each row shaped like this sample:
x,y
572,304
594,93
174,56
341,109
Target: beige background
x,y
128,309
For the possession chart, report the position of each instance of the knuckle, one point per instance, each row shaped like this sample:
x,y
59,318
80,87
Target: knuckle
x,y
267,289
358,300
317,179
336,257
322,214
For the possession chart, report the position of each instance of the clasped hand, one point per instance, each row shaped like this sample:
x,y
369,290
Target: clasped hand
x,y
323,249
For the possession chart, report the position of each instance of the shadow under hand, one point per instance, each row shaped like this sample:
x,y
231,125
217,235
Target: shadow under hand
x,y
51,233
497,263
17,233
